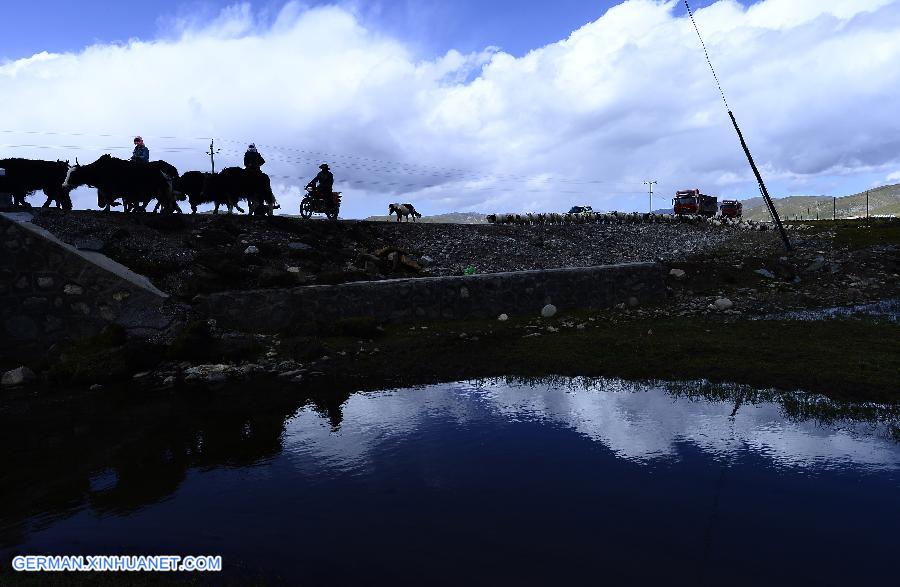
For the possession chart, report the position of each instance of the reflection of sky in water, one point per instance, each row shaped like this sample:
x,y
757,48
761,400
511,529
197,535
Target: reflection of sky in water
x,y
641,426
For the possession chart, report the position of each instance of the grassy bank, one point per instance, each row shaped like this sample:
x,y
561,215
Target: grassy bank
x,y
846,360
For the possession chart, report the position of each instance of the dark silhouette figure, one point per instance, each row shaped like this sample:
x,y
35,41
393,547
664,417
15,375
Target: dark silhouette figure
x,y
253,161
323,183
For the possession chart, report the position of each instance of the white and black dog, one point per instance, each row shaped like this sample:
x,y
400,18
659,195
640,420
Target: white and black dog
x,y
406,210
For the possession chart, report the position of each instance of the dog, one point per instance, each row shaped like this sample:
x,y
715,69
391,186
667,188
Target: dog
x,y
406,210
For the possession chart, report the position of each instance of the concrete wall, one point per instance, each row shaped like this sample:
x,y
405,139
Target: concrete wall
x,y
468,297
50,291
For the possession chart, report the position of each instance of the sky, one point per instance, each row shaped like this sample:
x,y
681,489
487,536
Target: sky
x,y
491,106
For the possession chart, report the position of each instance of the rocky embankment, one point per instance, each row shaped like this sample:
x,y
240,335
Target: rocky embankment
x,y
189,255
715,275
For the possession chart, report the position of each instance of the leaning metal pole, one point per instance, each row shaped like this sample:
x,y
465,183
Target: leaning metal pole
x,y
762,185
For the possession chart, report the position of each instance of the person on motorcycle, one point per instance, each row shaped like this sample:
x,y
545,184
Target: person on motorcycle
x,y
323,183
141,153
252,159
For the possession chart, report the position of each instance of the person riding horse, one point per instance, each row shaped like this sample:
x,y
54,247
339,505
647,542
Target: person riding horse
x,y
323,183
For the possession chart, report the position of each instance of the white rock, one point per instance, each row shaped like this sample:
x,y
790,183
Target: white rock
x,y
17,376
293,270
765,273
677,273
502,317
251,250
724,304
548,311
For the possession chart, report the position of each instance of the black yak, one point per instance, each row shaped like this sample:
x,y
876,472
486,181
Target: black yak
x,y
23,177
135,183
234,184
405,210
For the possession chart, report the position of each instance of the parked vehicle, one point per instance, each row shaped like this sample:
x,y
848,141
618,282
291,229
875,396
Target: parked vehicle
x,y
581,210
688,202
731,209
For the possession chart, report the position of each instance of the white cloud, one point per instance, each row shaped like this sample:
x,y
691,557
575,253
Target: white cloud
x,y
637,422
587,119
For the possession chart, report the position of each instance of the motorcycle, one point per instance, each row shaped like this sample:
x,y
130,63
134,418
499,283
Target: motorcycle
x,y
313,203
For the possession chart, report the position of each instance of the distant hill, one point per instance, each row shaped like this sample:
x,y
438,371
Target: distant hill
x,y
883,201
449,218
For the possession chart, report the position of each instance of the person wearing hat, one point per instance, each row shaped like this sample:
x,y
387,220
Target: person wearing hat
x,y
252,159
322,183
141,153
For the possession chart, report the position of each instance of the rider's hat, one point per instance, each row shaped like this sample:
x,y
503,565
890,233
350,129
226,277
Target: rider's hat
x,y
323,166
138,139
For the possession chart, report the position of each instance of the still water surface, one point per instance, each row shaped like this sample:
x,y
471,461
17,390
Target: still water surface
x,y
510,483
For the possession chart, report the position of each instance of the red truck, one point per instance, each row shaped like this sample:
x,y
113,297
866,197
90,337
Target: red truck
x,y
731,209
693,202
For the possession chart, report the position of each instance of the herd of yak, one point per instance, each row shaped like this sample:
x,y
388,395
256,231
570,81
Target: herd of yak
x,y
137,184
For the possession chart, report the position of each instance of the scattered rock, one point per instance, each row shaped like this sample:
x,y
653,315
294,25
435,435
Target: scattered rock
x,y
677,273
548,311
633,302
765,273
724,304
18,376
251,250
502,317
299,247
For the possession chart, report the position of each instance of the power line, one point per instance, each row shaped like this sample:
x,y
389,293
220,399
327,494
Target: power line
x,y
705,52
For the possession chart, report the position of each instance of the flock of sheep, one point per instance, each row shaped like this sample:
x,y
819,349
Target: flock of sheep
x,y
554,218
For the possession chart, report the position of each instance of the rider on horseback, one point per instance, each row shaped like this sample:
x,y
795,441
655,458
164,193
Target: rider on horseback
x,y
323,183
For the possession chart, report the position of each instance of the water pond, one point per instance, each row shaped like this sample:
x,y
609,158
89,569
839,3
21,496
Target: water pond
x,y
489,482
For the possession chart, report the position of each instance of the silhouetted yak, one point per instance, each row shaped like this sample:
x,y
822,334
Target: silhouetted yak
x,y
25,176
234,184
135,183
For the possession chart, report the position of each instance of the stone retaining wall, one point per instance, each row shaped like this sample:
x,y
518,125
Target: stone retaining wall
x,y
51,291
437,298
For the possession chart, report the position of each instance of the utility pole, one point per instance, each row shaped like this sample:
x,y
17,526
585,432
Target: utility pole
x,y
651,184
212,154
834,208
867,206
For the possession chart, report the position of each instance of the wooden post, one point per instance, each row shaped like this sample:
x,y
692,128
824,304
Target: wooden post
x,y
834,208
